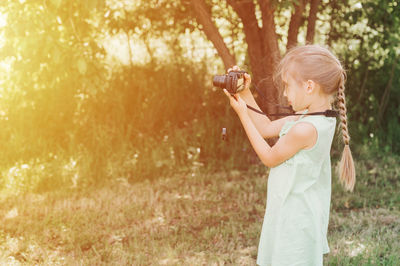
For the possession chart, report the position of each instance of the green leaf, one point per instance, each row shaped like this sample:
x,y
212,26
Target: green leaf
x,y
82,67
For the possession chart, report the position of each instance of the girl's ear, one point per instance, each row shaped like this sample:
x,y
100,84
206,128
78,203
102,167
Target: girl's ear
x,y
310,86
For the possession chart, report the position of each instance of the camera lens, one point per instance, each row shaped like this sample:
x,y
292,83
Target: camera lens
x,y
219,81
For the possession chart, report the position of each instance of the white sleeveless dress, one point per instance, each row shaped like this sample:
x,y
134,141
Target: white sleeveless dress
x,y
294,231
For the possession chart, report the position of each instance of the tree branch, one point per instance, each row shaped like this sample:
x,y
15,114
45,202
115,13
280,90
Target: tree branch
x,y
295,23
246,12
312,18
268,31
203,17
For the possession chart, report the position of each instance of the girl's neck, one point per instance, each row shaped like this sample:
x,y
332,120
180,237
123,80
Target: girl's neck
x,y
319,107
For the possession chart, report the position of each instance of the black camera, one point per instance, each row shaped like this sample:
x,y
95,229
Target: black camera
x,y
232,82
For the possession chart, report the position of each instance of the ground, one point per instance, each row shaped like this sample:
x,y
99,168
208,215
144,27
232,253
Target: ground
x,y
193,218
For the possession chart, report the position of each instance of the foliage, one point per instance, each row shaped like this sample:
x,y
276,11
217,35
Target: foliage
x,y
66,105
54,64
366,36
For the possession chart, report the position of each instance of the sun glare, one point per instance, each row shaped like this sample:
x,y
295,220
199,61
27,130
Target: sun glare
x,y
3,23
5,65
3,20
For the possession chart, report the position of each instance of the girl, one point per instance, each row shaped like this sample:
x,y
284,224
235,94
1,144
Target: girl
x,y
294,230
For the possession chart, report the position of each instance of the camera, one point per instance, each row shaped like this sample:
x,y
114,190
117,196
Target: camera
x,y
232,82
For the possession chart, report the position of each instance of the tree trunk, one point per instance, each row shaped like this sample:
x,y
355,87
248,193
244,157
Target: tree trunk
x,y
203,17
270,38
263,50
246,12
295,23
312,18
269,34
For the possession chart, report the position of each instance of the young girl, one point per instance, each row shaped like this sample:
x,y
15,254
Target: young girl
x,y
295,225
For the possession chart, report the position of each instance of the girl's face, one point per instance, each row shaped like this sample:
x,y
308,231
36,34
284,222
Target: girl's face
x,y
295,92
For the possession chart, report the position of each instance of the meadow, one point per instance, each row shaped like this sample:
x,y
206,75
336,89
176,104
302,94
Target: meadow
x,y
192,217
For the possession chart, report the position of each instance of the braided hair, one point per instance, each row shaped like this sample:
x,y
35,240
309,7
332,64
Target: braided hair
x,y
318,63
346,166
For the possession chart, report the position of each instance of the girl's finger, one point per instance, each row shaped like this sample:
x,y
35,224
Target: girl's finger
x,y
230,96
247,78
227,93
237,97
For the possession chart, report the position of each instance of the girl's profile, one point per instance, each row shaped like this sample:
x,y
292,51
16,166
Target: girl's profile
x,y
294,230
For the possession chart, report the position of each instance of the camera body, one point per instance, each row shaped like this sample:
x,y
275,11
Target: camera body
x,y
233,82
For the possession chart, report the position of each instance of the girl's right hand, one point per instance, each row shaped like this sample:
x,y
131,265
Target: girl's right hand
x,y
247,81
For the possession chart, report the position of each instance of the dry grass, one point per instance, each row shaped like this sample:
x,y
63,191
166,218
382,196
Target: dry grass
x,y
190,219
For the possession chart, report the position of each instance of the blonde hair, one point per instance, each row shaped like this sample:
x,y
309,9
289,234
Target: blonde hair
x,y
320,65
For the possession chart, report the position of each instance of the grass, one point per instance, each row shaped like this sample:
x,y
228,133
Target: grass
x,y
191,218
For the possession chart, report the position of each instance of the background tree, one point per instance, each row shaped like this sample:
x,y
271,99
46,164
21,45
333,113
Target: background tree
x,y
261,37
54,64
67,103
367,36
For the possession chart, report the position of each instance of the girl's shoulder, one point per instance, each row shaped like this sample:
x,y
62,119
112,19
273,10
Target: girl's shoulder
x,y
309,124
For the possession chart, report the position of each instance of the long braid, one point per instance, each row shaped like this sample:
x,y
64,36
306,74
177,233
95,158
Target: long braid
x,y
347,175
343,113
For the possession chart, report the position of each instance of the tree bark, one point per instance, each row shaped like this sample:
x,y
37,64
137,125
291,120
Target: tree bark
x,y
263,49
295,23
271,48
268,32
246,12
312,18
203,17
259,40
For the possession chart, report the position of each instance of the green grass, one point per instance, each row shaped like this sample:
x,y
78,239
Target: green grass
x,y
190,218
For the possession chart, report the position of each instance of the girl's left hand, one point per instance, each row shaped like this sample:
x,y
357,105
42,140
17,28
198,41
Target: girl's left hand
x,y
238,104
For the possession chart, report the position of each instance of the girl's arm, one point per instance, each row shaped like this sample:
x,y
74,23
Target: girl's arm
x,y
300,136
266,127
